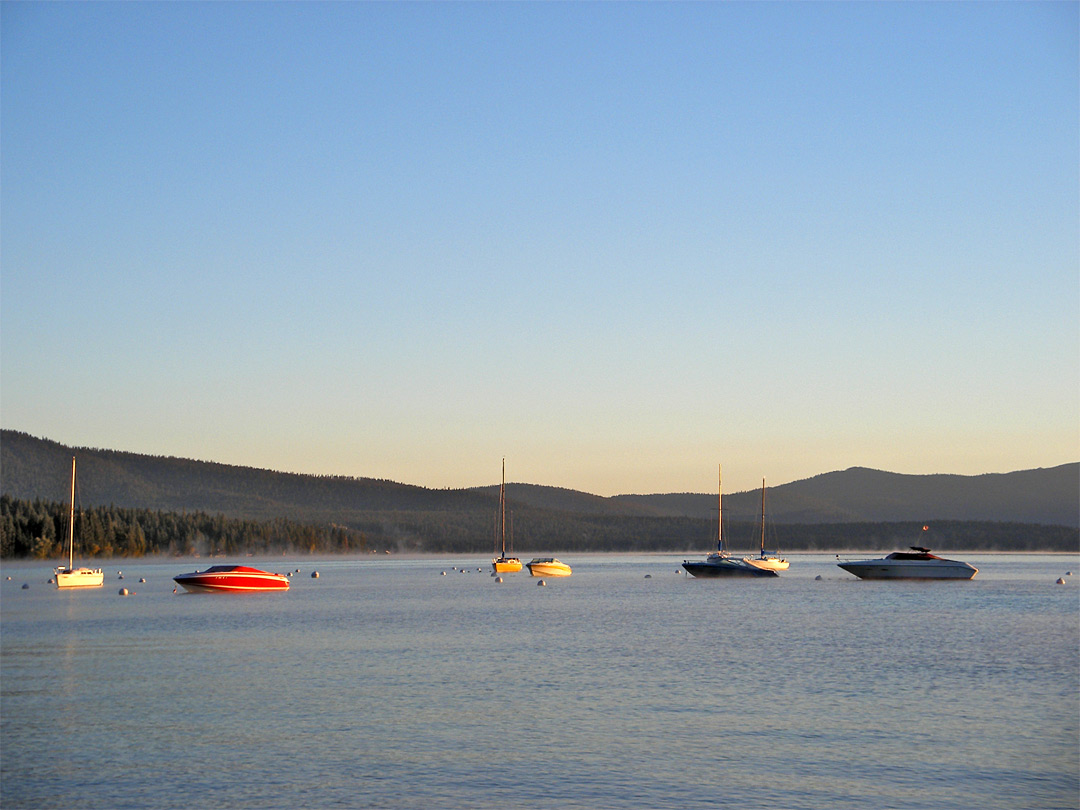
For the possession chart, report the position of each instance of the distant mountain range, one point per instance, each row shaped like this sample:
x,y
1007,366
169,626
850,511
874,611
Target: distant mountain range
x,y
33,468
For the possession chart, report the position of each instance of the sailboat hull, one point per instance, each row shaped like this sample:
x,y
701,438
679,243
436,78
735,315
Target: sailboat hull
x,y
725,567
767,563
79,578
506,565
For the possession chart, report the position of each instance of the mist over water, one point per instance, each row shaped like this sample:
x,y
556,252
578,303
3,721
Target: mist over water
x,y
385,684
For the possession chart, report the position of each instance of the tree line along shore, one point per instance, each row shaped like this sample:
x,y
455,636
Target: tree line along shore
x,y
38,529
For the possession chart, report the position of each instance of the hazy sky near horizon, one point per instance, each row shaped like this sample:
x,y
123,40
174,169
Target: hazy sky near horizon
x,y
615,243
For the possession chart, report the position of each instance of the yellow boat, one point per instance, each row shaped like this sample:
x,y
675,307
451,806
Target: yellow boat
x,y
503,564
506,565
548,567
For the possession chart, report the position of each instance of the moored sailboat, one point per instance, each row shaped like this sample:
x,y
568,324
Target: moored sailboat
x,y
767,560
72,577
720,563
504,564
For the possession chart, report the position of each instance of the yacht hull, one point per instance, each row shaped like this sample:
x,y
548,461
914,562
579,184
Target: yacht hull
x,y
909,569
232,579
549,568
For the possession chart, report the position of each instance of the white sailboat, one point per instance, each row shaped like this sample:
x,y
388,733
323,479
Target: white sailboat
x,y
72,577
720,563
503,564
771,560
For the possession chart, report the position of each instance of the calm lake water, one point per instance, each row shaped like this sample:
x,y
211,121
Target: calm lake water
x,y
384,684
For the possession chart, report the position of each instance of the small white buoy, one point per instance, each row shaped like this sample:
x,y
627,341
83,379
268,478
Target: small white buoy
x,y
120,577
1061,581
648,576
142,579
9,579
314,574
541,582
120,572
1067,573
297,571
442,574
498,579
818,577
25,586
123,591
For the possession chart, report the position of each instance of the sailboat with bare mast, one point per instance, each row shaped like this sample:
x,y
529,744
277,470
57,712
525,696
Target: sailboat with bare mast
x,y
769,560
72,577
720,563
503,564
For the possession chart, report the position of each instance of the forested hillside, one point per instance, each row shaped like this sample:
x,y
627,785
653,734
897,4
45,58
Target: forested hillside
x,y
136,504
1048,496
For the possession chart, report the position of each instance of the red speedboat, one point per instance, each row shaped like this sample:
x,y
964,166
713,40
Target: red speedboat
x,y
232,578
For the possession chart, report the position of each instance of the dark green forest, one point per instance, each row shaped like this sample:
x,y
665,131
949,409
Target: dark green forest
x,y
38,529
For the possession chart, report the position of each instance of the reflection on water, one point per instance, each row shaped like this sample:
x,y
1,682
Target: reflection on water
x,y
384,684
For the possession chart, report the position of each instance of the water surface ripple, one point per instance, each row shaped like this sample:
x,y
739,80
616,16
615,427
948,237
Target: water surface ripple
x,y
383,684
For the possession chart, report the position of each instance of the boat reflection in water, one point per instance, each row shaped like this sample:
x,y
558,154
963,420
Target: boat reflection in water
x,y
918,563
232,579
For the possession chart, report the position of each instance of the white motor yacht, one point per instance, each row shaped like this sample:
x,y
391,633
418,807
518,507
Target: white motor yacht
x,y
918,563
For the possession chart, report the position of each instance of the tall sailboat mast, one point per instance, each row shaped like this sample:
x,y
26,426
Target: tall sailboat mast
x,y
720,508
503,564
502,509
71,521
762,517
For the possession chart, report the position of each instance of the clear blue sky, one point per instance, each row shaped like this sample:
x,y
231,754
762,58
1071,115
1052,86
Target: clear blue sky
x,y
616,243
